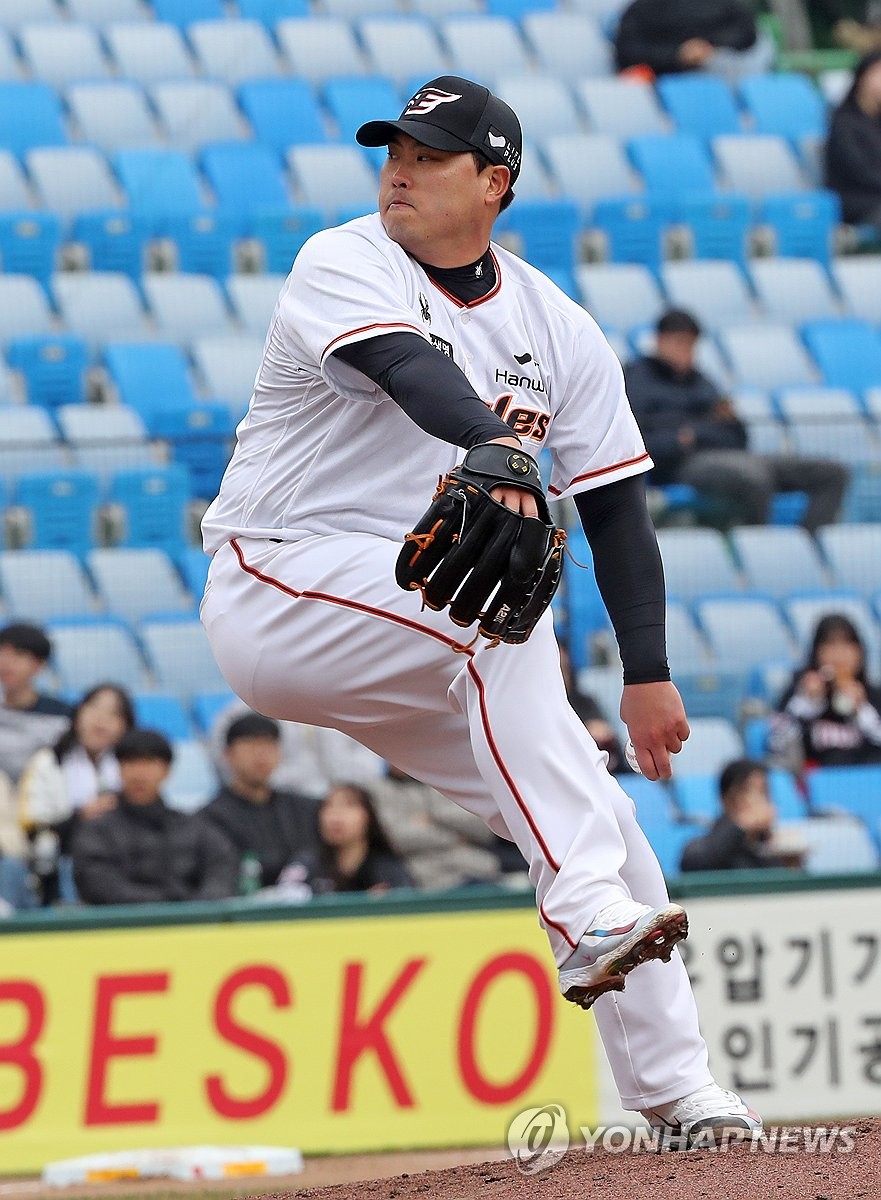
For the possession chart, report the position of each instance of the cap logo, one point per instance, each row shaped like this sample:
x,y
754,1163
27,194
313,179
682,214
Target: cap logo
x,y
427,101
496,140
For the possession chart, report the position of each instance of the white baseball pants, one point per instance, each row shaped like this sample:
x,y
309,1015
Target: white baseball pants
x,y
317,631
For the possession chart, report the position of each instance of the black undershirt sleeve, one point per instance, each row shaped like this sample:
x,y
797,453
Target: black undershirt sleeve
x,y
629,574
428,386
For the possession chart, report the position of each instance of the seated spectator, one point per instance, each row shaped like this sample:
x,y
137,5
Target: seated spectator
x,y
312,758
720,36
853,24
694,436
77,778
853,147
443,845
830,715
275,826
140,851
28,719
745,836
354,853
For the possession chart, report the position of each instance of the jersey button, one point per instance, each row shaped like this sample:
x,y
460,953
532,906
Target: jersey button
x,y
466,317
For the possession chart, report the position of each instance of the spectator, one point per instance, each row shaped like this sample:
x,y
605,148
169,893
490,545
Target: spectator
x,y
28,718
720,36
15,888
745,836
78,777
853,147
312,758
853,24
354,853
830,715
275,826
141,851
443,845
694,436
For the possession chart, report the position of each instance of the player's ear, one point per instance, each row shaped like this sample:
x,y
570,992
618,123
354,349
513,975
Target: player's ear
x,y
498,182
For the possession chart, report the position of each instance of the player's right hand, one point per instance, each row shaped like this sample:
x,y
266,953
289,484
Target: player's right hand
x,y
655,718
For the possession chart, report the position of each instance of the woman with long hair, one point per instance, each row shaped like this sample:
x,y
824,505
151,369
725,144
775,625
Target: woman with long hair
x,y
853,147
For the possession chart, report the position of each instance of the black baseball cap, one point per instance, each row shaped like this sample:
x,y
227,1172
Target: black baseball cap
x,y
456,114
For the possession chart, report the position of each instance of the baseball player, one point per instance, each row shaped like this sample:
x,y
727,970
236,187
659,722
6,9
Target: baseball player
x,y
400,341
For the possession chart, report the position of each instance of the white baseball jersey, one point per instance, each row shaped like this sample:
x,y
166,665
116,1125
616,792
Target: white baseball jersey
x,y
323,450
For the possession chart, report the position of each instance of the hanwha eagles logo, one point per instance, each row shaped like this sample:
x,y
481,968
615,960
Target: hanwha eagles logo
x,y
427,101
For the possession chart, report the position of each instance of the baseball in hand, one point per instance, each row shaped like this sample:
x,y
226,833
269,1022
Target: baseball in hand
x,y
630,755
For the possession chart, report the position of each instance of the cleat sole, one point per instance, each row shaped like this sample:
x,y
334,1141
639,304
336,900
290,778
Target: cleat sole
x,y
657,941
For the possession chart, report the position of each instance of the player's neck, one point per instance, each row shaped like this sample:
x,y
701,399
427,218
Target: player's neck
x,y
468,282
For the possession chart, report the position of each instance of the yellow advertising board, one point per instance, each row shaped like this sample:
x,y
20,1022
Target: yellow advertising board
x,y
335,1035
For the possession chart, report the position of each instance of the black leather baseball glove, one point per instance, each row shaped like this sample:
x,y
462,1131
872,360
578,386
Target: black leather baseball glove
x,y
474,554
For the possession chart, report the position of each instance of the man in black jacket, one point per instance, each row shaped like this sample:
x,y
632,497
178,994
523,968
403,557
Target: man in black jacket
x,y
144,852
742,837
695,437
690,35
274,826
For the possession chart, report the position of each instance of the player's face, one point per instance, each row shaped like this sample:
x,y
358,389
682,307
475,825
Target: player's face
x,y
434,203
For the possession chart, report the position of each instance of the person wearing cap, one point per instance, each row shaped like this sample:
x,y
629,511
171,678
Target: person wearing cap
x,y
399,340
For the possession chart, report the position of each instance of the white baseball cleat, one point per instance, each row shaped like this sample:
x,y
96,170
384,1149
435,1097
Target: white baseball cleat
x,y
621,936
705,1118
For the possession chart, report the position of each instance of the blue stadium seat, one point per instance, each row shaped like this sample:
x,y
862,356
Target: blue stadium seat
x,y
547,231
698,796
697,564
147,52
712,693
159,710
30,115
517,10
349,98
853,553
183,12
40,585
672,166
180,657
204,243
282,234
112,114
29,244
207,706
668,843
778,560
568,45
719,225
151,378
744,631
159,183
59,53
91,651
634,230
154,501
848,352
803,223
852,789
282,112
54,367
193,780
62,509
193,565
246,178
786,103
272,11
115,241
700,104
233,50
714,741
138,582
199,436
793,289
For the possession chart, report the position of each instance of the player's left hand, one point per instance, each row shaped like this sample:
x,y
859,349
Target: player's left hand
x,y
655,718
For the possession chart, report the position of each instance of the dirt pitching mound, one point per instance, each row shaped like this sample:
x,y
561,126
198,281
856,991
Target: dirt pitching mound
x,y
846,1166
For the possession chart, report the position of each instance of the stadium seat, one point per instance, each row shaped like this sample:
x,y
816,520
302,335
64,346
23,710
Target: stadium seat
x,y
53,367
154,503
151,378
207,706
147,52
838,846
30,115
853,553
818,404
687,649
193,112
757,165
859,281
203,243
700,104
803,612
785,103
185,307
848,352
246,177
744,631
114,241
61,509
39,585
622,108
591,167
620,295
28,442
88,652
568,46
713,693
715,291
698,797
270,12
232,50
72,179
543,103
697,564
793,289
803,224
253,299
102,12
400,47
672,165
282,112
852,789
138,583
228,366
282,234
348,100
714,741
318,48
112,115
17,13
466,39
159,183
766,356
158,710
353,9
183,12
180,657
100,306
719,225
633,229
23,308
105,437
333,177
29,244
15,195
10,64
547,231
59,53
778,560
193,565
193,780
